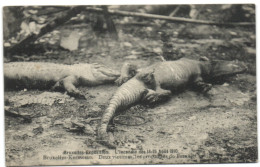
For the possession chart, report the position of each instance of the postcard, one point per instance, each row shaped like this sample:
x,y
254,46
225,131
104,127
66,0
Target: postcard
x,y
130,84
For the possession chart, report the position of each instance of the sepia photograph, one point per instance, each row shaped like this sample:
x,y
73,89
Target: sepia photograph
x,y
129,84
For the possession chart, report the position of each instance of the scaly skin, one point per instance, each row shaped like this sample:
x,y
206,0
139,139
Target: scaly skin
x,y
56,76
164,78
124,97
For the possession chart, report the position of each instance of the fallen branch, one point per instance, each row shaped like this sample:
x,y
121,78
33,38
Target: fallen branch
x,y
171,19
46,12
136,24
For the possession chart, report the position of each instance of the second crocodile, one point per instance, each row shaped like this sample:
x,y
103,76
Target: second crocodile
x,y
156,83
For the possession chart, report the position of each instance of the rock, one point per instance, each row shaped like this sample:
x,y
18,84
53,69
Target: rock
x,y
157,50
203,136
225,84
128,44
96,109
192,118
89,130
149,29
149,128
6,108
7,44
250,51
140,137
163,132
89,120
131,57
38,130
46,98
58,122
233,33
134,52
77,124
67,123
71,42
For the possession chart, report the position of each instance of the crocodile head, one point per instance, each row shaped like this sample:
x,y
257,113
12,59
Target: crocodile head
x,y
104,74
221,70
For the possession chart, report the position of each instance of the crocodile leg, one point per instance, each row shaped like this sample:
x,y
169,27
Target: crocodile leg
x,y
157,96
200,85
68,84
128,71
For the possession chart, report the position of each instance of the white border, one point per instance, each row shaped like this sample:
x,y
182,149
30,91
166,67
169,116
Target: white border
x,y
115,2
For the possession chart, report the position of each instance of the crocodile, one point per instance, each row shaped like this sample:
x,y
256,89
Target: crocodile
x,y
157,82
43,75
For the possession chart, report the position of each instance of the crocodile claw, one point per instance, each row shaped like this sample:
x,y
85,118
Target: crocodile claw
x,y
153,97
121,80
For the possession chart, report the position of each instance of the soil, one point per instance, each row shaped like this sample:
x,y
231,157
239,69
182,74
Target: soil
x,y
220,127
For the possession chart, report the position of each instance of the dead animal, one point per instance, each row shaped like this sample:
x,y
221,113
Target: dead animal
x,y
40,75
156,83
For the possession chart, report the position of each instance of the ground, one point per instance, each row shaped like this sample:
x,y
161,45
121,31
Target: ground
x,y
218,127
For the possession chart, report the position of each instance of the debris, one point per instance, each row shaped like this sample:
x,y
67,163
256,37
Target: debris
x,y
140,137
250,51
65,16
224,96
96,109
158,50
47,98
131,57
7,108
71,42
88,120
192,118
134,52
171,19
26,117
89,130
67,123
149,29
7,44
78,125
225,84
58,122
38,130
233,33
128,44
149,128
203,136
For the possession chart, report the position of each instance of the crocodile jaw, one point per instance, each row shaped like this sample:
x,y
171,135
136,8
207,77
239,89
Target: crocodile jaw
x,y
223,69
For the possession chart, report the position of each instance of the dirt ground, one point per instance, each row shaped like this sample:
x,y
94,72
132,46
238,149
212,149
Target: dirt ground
x,y
220,127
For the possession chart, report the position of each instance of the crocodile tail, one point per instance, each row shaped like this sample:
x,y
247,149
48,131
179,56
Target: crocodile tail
x,y
124,96
108,115
128,94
